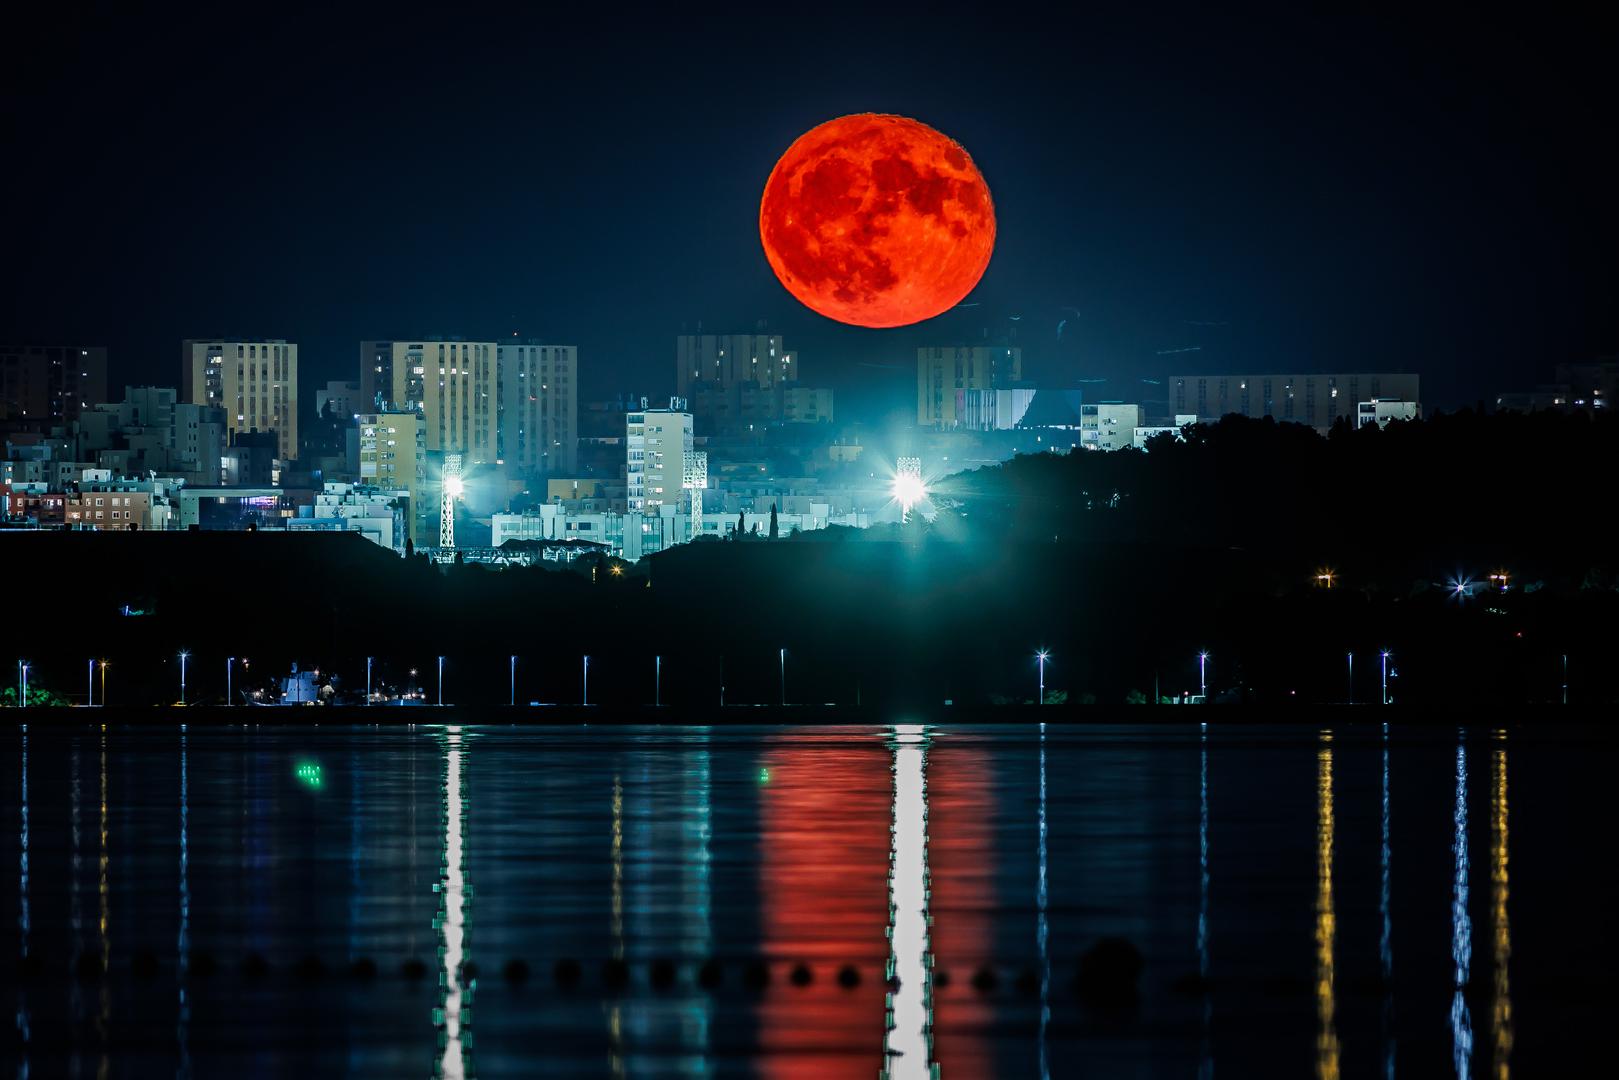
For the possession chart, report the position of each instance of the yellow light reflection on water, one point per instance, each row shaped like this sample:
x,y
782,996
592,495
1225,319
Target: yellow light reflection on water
x,y
1326,919
1501,1005
1461,926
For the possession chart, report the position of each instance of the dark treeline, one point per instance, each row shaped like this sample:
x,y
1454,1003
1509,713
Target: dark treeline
x,y
1124,565
1507,485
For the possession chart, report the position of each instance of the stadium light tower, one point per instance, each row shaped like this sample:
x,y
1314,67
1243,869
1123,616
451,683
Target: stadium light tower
x,y
908,487
450,489
694,478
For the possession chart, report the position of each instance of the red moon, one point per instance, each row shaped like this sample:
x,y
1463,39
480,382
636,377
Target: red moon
x,y
877,220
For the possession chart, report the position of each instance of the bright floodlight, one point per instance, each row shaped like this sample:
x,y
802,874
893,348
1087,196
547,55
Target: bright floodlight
x,y
908,489
453,487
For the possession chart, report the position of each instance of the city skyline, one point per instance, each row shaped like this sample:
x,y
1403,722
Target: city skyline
x,y
1228,205
775,543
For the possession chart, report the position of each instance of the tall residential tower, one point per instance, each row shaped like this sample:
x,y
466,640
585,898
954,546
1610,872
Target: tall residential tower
x,y
254,380
539,407
454,385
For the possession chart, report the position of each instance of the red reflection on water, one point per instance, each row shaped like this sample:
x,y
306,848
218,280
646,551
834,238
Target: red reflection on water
x,y
824,816
962,867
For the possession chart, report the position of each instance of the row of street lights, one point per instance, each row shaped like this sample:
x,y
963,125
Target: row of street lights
x,y
1042,656
657,680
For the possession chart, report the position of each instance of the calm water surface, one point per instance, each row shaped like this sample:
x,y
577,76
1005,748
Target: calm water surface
x,y
806,902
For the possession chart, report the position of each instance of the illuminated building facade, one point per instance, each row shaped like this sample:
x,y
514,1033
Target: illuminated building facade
x,y
539,407
254,381
1380,411
992,410
393,457
1143,434
1316,400
231,509
942,371
117,507
1108,425
454,385
656,445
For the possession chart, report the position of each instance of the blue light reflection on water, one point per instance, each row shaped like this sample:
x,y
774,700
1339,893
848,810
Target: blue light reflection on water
x,y
1461,927
785,847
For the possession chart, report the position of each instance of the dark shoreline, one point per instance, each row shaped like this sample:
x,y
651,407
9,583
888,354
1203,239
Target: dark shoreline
x,y
563,715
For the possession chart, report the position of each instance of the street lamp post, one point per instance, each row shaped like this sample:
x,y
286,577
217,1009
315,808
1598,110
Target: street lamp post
x,y
657,681
514,680
1351,678
368,680
184,656
1203,676
230,662
784,677
1385,676
103,684
22,678
441,681
587,679
90,686
1042,656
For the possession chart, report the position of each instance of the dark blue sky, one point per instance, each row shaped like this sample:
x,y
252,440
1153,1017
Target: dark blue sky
x,y
1282,191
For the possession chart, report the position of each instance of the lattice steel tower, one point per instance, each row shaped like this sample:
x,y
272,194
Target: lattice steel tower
x,y
449,491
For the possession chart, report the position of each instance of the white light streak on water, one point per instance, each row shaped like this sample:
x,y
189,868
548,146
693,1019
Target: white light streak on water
x,y
452,1063
906,1047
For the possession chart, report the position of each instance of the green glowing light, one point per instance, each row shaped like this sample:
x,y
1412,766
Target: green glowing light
x,y
309,774
764,776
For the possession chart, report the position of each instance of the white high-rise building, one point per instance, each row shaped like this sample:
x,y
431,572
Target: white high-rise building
x,y
1108,425
657,443
255,382
539,407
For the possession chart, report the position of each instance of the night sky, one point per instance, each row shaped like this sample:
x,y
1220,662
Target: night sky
x,y
1276,192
